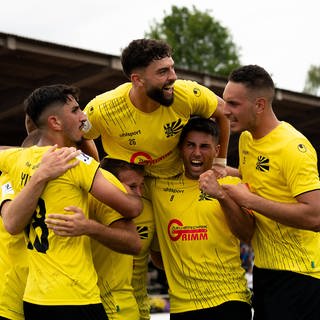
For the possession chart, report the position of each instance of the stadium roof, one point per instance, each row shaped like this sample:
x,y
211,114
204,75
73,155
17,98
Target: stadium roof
x,y
26,64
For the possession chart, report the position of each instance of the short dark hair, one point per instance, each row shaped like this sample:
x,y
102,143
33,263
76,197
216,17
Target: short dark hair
x,y
200,124
141,52
116,166
42,98
254,78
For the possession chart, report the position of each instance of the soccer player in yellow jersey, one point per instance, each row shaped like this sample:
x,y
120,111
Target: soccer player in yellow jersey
x,y
13,263
13,252
112,257
280,166
141,121
61,283
132,175
122,278
197,226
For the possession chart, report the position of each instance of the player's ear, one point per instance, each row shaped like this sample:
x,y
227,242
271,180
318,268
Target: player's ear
x,y
54,122
217,149
137,80
260,104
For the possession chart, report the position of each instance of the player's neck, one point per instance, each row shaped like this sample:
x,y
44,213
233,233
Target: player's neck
x,y
142,102
49,139
266,125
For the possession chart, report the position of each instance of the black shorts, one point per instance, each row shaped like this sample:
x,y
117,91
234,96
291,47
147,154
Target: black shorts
x,y
280,295
230,310
82,312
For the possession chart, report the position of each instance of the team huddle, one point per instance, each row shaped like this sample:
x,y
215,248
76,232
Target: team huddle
x,y
77,233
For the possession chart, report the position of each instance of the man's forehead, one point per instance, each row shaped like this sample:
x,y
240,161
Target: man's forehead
x,y
72,101
199,137
234,90
161,63
71,97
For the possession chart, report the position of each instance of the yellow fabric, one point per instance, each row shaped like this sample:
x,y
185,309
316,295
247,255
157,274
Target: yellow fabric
x,y
13,264
114,275
114,269
147,138
280,166
200,254
61,270
146,229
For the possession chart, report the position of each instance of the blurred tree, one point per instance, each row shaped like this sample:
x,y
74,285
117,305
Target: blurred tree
x,y
200,43
312,84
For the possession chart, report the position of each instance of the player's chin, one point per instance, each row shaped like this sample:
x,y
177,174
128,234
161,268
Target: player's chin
x,y
195,172
235,127
167,102
79,139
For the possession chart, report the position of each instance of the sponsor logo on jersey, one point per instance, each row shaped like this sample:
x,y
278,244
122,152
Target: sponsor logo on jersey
x,y
262,164
173,128
177,231
173,190
129,134
144,158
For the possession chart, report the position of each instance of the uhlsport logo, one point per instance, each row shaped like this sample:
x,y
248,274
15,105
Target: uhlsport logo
x,y
177,231
196,92
302,148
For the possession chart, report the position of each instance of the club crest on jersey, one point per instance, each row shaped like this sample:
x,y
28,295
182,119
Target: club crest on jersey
x,y
143,232
262,164
205,196
177,231
173,128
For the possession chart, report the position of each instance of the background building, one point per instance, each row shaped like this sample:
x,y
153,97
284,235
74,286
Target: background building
x,y
26,64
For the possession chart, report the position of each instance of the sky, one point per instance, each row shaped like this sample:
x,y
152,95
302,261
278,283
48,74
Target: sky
x,y
281,36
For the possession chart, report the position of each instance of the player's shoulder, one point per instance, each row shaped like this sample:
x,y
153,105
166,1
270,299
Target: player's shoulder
x,y
113,179
20,151
115,93
193,90
186,84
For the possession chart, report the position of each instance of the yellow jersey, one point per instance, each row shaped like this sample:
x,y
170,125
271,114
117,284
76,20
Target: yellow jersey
x,y
149,139
61,270
13,264
278,167
201,256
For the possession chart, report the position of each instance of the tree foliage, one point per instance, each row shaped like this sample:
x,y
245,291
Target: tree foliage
x,y
199,42
312,84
